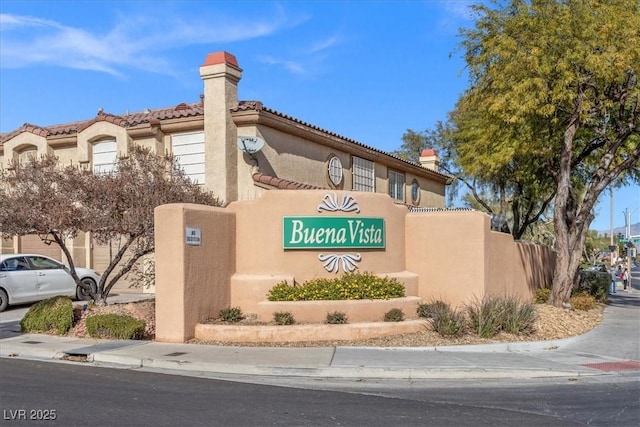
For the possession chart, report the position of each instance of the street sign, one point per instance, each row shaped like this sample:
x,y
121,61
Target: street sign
x,y
636,240
623,240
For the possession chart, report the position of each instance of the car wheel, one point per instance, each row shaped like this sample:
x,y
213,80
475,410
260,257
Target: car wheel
x,y
84,295
4,300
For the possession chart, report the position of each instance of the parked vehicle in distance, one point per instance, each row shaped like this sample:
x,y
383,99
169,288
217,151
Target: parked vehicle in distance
x,y
31,277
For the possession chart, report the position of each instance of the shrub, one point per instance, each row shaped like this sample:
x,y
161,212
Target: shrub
x,y
426,310
351,286
485,316
336,318
115,326
394,315
494,314
447,322
518,317
583,301
283,318
595,283
54,314
233,314
542,296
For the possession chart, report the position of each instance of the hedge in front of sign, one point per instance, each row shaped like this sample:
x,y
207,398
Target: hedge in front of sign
x,y
351,286
115,326
53,314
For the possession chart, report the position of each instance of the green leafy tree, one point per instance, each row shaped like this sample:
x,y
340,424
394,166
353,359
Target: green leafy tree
x,y
517,192
554,84
59,202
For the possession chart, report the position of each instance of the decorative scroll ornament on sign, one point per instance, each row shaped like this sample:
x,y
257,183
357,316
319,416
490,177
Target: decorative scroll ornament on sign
x,y
332,262
330,203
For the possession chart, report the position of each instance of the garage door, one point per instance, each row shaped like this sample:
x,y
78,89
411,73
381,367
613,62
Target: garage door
x,y
102,255
32,244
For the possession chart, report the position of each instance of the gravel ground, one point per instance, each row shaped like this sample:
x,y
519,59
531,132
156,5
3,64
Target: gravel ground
x,y
552,323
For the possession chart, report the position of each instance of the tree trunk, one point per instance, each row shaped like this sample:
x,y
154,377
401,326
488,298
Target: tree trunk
x,y
564,220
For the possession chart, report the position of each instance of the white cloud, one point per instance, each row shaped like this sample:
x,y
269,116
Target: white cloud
x,y
325,44
135,42
457,14
308,60
291,66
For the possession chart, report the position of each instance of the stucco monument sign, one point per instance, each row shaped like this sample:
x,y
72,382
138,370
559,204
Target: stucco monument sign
x,y
332,232
296,236
335,232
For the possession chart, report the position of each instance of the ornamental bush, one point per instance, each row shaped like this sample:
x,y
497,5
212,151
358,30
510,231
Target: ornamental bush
x,y
337,318
394,315
426,310
583,301
351,286
232,314
595,283
115,326
492,314
283,318
542,295
53,314
447,322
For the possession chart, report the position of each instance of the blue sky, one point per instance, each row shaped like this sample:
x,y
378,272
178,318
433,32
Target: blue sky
x,y
367,70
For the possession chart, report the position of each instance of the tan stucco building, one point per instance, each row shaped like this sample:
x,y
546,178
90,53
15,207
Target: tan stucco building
x,y
215,141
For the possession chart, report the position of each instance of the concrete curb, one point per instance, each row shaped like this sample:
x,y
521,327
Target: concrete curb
x,y
338,372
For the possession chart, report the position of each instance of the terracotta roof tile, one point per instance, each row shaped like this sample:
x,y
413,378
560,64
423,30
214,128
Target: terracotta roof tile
x,y
179,111
283,184
258,106
221,58
126,120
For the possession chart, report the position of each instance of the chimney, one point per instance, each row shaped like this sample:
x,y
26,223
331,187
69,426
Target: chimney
x,y
429,159
221,74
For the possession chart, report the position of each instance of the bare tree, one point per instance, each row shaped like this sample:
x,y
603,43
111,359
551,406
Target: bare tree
x,y
60,202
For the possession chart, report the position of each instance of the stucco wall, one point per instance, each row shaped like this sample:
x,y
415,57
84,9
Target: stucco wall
x,y
191,281
457,258
451,256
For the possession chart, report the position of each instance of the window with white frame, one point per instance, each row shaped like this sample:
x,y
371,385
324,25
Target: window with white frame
x,y
188,149
105,157
396,185
363,175
27,154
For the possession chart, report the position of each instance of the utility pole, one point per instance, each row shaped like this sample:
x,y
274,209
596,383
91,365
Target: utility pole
x,y
612,247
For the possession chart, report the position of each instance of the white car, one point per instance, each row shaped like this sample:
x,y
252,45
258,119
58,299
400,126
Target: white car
x,y
30,277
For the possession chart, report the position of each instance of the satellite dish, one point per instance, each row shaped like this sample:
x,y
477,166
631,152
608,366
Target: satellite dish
x,y
250,144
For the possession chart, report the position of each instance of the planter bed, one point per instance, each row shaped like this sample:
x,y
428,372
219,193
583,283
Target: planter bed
x,y
305,332
370,310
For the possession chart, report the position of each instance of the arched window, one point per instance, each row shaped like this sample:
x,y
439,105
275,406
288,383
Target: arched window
x,y
28,153
105,156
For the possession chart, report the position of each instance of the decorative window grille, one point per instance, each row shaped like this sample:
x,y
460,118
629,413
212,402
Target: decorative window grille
x,y
363,175
188,149
335,170
396,185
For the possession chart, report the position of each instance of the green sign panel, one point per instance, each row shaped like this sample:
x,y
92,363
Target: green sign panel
x,y
332,232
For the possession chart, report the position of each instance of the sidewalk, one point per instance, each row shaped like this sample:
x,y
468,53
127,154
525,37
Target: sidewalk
x,y
613,348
